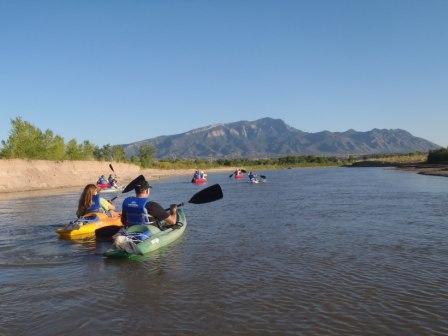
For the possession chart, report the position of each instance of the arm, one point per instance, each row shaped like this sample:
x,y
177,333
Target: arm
x,y
172,218
155,210
106,205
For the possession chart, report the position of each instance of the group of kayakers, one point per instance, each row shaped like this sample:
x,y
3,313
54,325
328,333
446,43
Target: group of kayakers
x,y
136,210
110,182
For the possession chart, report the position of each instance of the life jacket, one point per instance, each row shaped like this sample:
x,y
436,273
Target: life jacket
x,y
135,210
96,205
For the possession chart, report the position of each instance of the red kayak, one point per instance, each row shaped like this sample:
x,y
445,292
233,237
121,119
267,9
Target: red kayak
x,y
200,181
240,176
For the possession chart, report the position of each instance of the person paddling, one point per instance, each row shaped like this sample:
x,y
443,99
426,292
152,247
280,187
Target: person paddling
x,y
102,180
112,181
196,175
252,176
91,202
138,209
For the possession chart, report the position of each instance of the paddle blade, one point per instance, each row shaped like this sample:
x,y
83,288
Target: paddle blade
x,y
263,177
230,176
207,195
111,167
131,186
107,232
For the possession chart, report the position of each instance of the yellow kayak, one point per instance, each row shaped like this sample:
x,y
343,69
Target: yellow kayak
x,y
87,225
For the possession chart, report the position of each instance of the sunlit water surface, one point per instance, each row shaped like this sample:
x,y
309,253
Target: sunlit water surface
x,y
314,251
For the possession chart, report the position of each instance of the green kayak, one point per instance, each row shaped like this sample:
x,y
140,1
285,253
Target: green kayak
x,y
157,239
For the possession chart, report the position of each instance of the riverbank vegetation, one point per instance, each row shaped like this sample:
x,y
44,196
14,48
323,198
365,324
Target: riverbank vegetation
x,y
439,156
27,141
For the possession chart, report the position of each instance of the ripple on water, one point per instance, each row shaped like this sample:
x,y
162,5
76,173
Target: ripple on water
x,y
343,251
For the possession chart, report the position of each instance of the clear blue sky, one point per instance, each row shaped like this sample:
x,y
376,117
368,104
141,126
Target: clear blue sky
x,y
147,68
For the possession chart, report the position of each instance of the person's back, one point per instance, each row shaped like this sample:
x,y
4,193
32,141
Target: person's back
x,y
102,180
196,175
139,210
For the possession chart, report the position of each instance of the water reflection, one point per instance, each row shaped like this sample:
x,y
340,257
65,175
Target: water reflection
x,y
314,251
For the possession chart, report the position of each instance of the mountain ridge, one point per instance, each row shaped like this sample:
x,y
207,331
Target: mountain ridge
x,y
268,137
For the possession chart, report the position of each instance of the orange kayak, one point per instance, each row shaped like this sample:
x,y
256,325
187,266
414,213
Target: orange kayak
x,y
86,226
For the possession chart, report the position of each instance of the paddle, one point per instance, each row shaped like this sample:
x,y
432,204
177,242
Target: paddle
x,y
242,170
207,195
263,177
112,199
135,182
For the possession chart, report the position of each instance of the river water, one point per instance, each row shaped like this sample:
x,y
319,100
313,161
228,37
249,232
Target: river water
x,y
334,251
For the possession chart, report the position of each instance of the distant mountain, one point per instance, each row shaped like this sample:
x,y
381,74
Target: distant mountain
x,y
269,137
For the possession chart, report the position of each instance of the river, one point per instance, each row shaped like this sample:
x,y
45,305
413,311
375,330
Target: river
x,y
328,251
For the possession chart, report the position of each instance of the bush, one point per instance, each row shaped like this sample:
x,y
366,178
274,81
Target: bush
x,y
438,156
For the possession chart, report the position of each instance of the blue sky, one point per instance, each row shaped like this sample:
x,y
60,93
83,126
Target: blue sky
x,y
121,71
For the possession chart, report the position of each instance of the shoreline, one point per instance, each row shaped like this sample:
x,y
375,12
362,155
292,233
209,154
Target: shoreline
x,y
37,178
421,168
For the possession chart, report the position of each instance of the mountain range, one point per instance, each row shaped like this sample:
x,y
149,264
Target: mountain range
x,y
269,137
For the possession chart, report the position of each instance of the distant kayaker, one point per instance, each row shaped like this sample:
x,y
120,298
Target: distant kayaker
x,y
252,176
90,202
112,181
137,210
102,180
196,175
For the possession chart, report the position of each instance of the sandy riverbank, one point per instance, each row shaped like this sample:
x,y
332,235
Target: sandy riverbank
x,y
41,177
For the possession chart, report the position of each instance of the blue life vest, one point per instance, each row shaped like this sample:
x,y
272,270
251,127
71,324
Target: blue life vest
x,y
96,206
251,176
135,210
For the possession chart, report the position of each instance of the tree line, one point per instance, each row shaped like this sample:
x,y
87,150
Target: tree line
x,y
27,141
438,156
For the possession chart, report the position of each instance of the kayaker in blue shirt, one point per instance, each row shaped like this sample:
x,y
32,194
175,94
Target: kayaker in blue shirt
x,y
196,175
112,181
102,180
252,176
137,210
91,202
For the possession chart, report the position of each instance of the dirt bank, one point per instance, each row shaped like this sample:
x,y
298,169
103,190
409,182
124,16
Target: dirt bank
x,y
32,175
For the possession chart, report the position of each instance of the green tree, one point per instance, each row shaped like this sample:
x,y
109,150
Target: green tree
x,y
147,155
118,153
88,150
26,141
73,150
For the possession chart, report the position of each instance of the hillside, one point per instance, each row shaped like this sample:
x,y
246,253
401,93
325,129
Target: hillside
x,y
269,137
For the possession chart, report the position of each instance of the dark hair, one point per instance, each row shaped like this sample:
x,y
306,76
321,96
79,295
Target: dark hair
x,y
141,187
